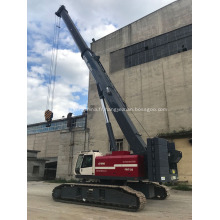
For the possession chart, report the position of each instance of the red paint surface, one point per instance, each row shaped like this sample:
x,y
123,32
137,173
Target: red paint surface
x,y
115,160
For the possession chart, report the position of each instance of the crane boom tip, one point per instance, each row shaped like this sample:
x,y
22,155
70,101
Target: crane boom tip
x,y
58,13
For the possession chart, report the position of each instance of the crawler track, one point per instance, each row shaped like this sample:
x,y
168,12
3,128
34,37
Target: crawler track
x,y
151,190
161,192
107,196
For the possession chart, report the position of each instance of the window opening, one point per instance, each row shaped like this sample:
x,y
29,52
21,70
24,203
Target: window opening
x,y
36,169
119,144
87,161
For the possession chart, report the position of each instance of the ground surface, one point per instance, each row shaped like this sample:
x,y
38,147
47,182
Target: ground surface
x,y
40,206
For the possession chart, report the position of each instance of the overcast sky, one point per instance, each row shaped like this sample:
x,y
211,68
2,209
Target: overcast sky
x,y
95,19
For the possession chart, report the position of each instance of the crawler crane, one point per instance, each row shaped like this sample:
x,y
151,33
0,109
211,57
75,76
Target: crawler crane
x,y
119,180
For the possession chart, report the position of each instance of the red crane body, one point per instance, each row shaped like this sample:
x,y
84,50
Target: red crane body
x,y
120,164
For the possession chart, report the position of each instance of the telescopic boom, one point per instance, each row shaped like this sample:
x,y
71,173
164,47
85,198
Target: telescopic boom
x,y
106,90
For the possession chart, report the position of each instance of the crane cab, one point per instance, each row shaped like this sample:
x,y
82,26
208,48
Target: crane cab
x,y
85,163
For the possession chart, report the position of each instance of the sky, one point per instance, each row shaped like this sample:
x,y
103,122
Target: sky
x,y
94,19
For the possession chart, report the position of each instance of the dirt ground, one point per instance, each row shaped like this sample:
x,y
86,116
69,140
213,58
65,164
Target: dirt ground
x,y
40,206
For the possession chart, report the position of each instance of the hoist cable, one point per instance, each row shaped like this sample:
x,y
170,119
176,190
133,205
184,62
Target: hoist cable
x,y
51,65
55,64
140,124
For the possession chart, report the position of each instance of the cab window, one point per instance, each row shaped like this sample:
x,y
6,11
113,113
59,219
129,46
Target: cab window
x,y
87,161
79,161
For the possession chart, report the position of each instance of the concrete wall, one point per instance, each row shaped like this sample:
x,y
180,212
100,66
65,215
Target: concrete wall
x,y
47,143
32,153
164,83
70,144
185,164
62,145
30,164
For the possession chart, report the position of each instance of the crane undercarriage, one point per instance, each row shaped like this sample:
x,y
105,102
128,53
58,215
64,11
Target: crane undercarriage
x,y
129,197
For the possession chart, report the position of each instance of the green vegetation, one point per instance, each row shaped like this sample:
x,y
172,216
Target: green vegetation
x,y
183,187
176,134
180,186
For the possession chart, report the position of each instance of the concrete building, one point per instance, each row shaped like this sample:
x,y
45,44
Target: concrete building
x,y
35,166
150,63
58,144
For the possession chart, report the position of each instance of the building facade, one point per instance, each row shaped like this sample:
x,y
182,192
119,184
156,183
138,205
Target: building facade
x,y
58,144
150,63
35,166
